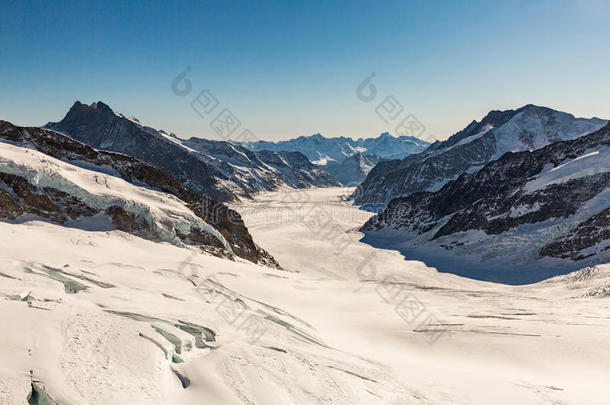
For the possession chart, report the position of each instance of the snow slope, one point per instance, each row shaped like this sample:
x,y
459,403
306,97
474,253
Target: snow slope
x,y
519,219
329,336
533,344
165,214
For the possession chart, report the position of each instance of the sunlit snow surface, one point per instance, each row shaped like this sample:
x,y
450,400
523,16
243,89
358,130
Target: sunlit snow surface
x,y
165,213
590,163
329,336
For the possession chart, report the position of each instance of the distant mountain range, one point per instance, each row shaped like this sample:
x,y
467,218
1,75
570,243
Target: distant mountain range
x,y
526,128
220,170
512,219
321,150
517,197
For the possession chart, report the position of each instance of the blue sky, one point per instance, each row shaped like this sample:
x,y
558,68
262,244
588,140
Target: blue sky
x,y
288,68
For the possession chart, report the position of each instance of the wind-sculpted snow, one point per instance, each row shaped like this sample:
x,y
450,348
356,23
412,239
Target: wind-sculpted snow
x,y
527,128
525,207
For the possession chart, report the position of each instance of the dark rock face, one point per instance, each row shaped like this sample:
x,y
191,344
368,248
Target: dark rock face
x,y
18,196
374,181
497,199
527,128
492,120
8,207
126,221
574,243
220,170
97,125
413,176
65,148
555,201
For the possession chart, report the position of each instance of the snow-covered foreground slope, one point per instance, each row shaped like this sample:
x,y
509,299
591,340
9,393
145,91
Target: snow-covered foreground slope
x,y
96,318
137,321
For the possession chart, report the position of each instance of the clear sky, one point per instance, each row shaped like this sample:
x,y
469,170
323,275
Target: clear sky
x,y
288,68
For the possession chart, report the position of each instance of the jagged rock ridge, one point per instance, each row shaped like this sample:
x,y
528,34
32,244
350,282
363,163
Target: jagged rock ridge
x,y
527,128
221,170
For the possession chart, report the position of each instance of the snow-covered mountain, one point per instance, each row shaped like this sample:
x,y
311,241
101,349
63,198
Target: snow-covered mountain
x,y
45,174
526,128
323,150
353,170
525,216
221,170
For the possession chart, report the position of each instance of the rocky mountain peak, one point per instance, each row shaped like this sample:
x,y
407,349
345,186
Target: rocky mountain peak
x,y
527,128
99,105
80,111
217,169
